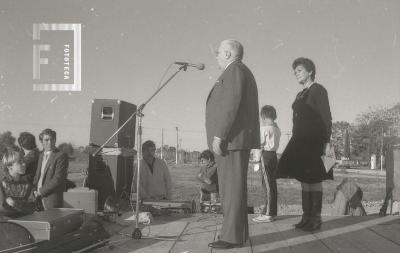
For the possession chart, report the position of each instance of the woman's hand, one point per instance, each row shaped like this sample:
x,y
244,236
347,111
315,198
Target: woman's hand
x,y
10,201
325,145
37,194
207,181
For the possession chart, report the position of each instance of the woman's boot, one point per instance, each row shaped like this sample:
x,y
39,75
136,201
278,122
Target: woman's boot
x,y
315,217
306,205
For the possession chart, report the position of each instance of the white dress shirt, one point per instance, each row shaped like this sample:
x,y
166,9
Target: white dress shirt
x,y
46,156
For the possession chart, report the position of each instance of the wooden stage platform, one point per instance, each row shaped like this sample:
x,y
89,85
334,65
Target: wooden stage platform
x,y
189,234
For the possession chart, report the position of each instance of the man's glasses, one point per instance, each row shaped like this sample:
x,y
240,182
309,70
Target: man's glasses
x,y
218,52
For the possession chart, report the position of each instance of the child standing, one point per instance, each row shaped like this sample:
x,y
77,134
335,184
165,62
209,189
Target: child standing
x,y
270,136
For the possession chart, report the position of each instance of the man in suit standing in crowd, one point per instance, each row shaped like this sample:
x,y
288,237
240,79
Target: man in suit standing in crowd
x,y
51,172
233,129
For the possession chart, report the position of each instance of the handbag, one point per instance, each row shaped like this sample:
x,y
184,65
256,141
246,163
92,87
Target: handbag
x,y
329,158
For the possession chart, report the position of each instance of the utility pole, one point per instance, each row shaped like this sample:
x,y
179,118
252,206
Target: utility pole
x,y
382,150
176,157
162,142
346,144
180,153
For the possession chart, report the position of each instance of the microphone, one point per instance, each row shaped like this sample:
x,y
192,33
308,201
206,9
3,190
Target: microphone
x,y
199,66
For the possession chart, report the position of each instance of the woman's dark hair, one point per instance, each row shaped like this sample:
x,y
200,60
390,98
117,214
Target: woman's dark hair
x,y
27,141
268,111
48,132
307,64
208,155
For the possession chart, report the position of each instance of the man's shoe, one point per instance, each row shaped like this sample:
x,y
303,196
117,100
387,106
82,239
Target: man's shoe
x,y
224,245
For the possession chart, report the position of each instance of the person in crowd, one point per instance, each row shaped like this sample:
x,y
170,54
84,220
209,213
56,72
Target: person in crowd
x,y
270,135
52,171
301,159
16,195
208,176
155,180
233,129
27,142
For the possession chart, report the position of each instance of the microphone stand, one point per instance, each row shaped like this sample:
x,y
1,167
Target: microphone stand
x,y
137,234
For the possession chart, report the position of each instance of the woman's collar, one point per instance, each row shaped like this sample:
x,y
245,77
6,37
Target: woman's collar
x,y
308,85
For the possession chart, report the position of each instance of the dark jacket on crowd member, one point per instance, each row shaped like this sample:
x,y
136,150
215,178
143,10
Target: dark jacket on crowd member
x,y
55,176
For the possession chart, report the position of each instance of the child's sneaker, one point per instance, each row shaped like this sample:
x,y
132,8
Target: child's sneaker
x,y
263,218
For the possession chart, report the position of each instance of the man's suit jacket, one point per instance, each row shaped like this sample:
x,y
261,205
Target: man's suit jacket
x,y
232,109
55,175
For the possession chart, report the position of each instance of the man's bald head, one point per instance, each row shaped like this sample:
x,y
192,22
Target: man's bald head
x,y
229,51
235,47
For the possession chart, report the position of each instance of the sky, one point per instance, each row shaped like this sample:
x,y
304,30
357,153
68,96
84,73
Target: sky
x,y
127,46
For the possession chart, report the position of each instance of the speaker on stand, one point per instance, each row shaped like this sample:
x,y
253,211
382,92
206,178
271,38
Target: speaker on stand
x,y
111,170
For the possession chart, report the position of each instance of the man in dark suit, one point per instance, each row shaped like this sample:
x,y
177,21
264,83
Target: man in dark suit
x,y
233,128
51,172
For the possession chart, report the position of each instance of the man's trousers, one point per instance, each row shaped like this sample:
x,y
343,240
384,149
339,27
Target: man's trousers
x,y
232,177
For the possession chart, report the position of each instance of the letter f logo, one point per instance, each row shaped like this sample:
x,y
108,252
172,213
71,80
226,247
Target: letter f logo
x,y
37,61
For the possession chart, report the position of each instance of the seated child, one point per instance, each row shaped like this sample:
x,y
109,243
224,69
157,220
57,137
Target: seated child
x,y
16,196
209,177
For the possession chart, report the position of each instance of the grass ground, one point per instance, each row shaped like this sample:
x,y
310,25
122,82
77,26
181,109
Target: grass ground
x,y
186,187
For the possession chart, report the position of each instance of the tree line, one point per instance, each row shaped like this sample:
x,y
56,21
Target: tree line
x,y
373,132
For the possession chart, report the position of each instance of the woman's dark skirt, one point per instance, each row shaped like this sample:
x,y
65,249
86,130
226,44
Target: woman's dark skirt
x,y
301,160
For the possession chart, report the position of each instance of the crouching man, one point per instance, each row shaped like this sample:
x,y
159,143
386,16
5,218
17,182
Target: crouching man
x,y
155,180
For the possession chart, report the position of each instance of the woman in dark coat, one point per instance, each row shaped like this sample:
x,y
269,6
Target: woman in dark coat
x,y
301,159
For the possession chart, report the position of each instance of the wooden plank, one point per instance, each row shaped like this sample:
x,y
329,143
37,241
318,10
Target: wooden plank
x,y
156,238
218,221
247,248
389,230
339,242
338,234
175,230
198,235
300,241
262,235
367,241
294,240
352,234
